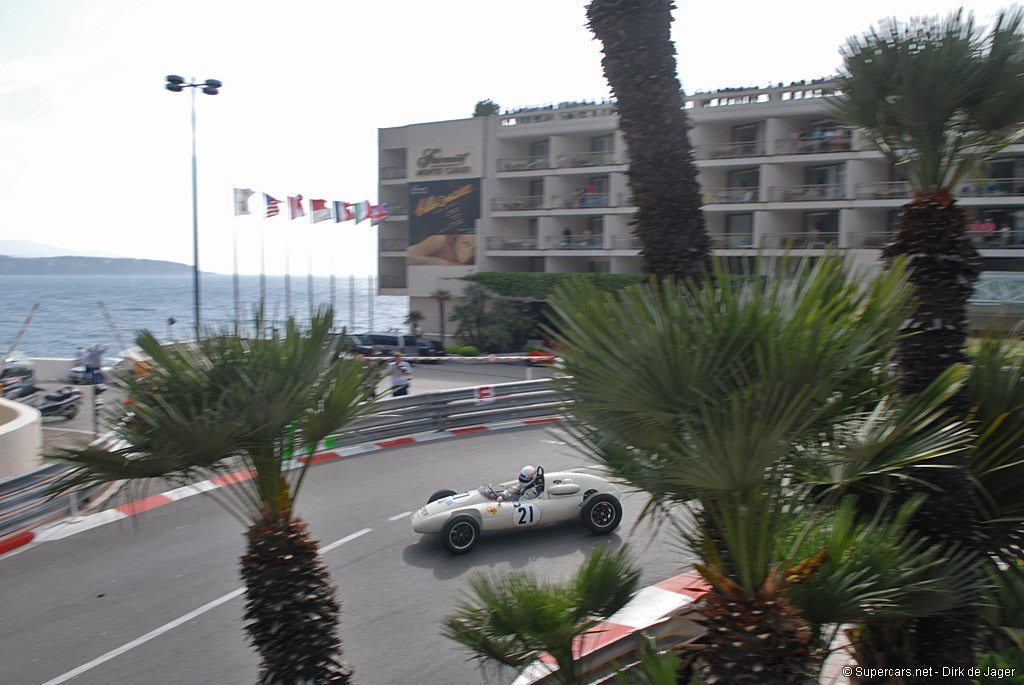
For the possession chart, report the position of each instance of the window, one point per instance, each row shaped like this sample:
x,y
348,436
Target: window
x,y
602,267
537,193
539,148
830,179
743,185
739,230
603,148
821,228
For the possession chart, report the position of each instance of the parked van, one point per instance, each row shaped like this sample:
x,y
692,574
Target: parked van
x,y
389,343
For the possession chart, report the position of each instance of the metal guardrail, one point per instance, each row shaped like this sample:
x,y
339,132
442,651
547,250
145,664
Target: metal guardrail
x,y
24,503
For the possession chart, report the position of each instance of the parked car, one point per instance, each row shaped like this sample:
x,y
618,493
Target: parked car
x,y
431,348
108,372
17,364
361,344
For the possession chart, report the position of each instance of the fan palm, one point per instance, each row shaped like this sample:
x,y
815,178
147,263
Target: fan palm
x,y
441,296
937,98
513,620
639,63
256,403
731,387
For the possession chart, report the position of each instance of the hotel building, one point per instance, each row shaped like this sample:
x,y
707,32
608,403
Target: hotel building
x,y
545,190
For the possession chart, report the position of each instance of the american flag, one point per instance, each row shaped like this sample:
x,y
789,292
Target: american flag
x,y
272,203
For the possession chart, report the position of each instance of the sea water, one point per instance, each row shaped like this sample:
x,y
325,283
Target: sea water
x,y
70,313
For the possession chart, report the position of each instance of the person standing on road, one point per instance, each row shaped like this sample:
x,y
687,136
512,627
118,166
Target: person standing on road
x,y
94,362
400,373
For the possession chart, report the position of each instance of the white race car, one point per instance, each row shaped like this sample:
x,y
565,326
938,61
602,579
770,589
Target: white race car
x,y
460,517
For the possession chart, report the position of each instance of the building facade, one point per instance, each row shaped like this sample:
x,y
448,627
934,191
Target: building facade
x,y
546,190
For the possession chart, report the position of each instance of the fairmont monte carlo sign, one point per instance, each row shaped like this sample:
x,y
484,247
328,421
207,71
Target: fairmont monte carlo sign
x,y
436,161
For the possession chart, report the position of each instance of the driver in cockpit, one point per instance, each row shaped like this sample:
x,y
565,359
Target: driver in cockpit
x,y
529,486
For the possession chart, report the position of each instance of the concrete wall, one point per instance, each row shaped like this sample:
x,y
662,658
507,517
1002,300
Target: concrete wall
x,y
21,438
53,370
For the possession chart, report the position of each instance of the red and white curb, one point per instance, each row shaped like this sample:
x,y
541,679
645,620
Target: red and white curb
x,y
647,608
72,526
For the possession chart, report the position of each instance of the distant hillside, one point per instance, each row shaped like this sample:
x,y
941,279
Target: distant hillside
x,y
88,266
30,248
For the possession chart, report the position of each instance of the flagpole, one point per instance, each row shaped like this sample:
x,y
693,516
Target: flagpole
x,y
369,297
263,270
287,282
309,257
234,240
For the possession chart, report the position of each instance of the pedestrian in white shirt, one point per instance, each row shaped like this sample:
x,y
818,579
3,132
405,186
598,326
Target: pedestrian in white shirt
x,y
400,373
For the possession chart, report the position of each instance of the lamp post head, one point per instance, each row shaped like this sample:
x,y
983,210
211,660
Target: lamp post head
x,y
176,84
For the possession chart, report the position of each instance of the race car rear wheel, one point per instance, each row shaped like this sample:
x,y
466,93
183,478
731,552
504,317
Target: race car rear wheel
x,y
440,494
601,514
460,534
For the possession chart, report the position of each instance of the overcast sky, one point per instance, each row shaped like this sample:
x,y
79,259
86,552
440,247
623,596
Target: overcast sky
x,y
95,154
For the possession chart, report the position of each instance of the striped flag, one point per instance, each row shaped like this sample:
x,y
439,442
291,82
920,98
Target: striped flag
x,y
378,213
362,210
295,209
342,212
272,205
242,196
318,211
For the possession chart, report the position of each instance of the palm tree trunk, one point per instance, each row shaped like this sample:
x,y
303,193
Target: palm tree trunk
x,y
944,266
640,66
291,606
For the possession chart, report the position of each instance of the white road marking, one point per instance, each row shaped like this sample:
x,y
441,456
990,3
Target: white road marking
x,y
403,515
128,646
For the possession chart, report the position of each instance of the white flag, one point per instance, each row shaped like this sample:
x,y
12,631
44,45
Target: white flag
x,y
242,196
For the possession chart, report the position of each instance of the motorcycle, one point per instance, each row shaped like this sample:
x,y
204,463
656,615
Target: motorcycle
x,y
63,402
16,387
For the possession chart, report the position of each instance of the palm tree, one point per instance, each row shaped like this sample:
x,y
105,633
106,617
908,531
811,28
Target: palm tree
x,y
413,319
256,403
731,388
937,98
441,296
513,620
639,63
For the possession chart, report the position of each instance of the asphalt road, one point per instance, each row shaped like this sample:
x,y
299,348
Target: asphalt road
x,y
150,600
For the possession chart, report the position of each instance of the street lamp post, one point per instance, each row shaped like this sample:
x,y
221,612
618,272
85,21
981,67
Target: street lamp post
x,y
210,87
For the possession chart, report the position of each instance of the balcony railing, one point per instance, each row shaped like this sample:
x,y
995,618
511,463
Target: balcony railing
x,y
397,209
992,187
753,148
500,243
517,204
625,242
723,195
891,190
837,141
391,280
587,200
733,241
580,241
868,240
393,244
585,159
523,163
825,191
806,240
390,172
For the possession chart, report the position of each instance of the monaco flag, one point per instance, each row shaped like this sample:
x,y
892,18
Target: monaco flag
x,y
295,209
319,211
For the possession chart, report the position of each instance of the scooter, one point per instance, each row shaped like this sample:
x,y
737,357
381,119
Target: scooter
x,y
16,387
63,402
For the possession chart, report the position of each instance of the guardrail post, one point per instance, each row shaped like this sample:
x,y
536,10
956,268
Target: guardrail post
x,y
73,501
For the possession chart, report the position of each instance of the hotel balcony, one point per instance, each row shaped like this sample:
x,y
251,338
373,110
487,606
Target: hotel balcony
x,y
517,204
397,210
392,281
891,190
575,160
394,244
393,172
992,187
714,196
753,148
835,141
523,163
825,191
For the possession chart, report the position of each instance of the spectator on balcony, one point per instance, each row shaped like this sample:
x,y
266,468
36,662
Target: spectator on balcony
x,y
566,238
588,238
1004,234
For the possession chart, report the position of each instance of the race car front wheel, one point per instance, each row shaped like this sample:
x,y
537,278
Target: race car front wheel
x,y
601,514
459,535
440,494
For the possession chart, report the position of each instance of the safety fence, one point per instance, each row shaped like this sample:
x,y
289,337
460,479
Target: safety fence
x,y
25,503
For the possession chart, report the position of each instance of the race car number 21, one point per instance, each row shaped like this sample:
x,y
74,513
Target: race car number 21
x,y
526,515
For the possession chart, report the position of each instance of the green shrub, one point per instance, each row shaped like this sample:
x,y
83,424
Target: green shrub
x,y
1002,668
527,349
469,351
453,349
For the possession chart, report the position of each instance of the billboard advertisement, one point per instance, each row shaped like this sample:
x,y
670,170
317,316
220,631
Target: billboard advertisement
x,y
442,222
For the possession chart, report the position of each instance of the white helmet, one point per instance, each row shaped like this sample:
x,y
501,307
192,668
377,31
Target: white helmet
x,y
527,475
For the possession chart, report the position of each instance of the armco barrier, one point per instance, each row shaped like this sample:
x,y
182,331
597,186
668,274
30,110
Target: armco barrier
x,y
24,503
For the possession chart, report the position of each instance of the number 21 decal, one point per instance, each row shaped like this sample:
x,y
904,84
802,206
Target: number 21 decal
x,y
526,515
